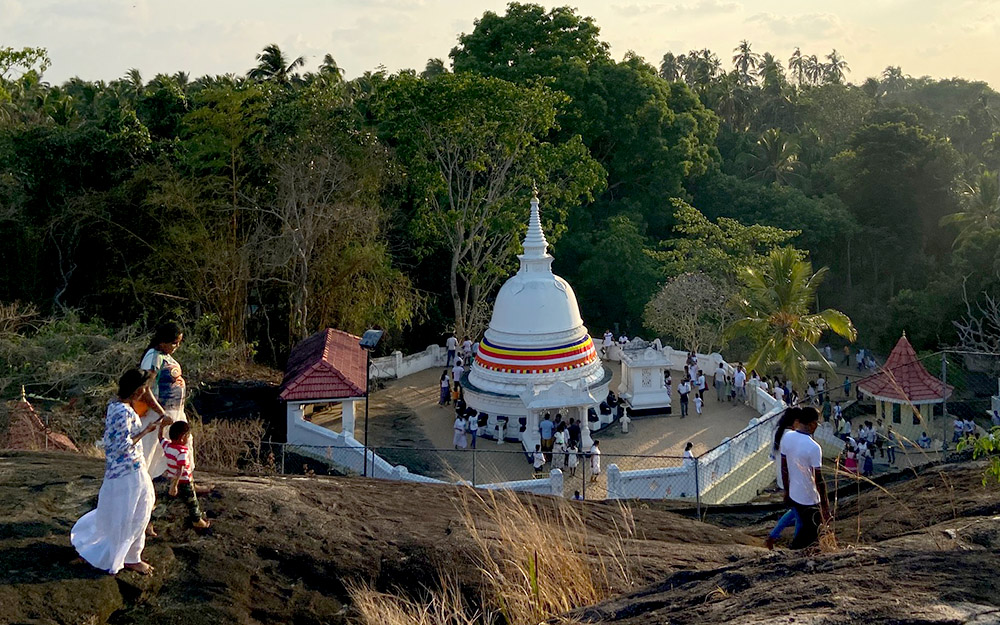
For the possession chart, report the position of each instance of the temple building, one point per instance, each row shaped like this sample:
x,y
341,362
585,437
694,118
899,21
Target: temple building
x,y
537,356
906,395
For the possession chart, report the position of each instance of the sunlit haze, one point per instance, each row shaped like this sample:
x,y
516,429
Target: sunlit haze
x,y
102,39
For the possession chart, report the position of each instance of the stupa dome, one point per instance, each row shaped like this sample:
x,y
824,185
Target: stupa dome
x,y
536,335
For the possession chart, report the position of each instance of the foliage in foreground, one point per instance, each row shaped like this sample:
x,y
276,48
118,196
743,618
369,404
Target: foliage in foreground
x,y
536,561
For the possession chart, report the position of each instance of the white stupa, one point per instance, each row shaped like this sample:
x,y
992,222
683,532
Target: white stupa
x,y
537,355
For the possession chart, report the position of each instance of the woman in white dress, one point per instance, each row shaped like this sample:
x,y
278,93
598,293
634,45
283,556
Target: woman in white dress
x,y
460,440
559,448
112,537
168,388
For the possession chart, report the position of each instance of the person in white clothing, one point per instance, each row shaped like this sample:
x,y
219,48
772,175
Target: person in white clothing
x,y
622,340
779,393
801,472
538,460
720,382
572,458
698,403
452,346
609,339
689,458
457,371
467,349
460,426
595,461
740,383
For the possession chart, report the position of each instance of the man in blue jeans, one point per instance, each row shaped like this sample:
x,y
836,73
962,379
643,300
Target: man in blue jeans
x,y
801,473
683,389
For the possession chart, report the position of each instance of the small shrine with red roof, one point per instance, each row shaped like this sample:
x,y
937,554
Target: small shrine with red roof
x,y
24,430
324,379
905,393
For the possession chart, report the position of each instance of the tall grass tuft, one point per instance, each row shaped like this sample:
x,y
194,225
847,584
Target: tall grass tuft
x,y
536,560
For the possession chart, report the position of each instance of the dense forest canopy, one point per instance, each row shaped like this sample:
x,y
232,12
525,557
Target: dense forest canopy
x,y
273,203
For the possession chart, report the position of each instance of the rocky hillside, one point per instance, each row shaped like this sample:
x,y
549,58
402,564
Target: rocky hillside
x,y
283,550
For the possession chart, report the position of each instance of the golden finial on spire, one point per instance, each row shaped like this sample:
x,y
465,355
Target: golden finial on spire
x,y
24,398
534,190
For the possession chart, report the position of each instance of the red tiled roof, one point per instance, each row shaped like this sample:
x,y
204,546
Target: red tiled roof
x,y
327,365
903,378
26,431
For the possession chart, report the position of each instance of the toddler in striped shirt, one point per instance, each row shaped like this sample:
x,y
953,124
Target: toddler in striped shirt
x,y
179,471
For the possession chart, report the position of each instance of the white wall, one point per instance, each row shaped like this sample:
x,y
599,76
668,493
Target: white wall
x,y
396,365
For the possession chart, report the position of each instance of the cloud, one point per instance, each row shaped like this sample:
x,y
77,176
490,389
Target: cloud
x,y
701,8
805,27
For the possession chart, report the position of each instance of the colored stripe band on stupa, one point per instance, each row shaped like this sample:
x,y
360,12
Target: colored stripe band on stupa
x,y
536,360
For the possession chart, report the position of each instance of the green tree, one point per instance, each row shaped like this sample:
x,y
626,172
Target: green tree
x,y
746,62
774,315
719,249
694,309
471,146
671,67
774,159
981,207
434,67
836,68
273,64
797,66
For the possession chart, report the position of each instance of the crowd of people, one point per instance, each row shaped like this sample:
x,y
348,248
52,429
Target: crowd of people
x,y
149,399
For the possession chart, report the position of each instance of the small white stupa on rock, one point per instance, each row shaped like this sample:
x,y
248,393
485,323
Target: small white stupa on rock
x,y
537,355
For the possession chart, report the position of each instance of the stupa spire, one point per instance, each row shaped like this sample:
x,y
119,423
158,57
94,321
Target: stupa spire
x,y
535,245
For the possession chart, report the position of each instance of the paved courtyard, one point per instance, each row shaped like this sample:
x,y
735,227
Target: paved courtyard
x,y
407,425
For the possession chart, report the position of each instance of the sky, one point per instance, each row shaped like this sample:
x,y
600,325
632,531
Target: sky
x,y
103,39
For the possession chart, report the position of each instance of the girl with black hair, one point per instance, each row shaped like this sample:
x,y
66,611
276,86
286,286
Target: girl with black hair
x,y
785,422
112,537
168,387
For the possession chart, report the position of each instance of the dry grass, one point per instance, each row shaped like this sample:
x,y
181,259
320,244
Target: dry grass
x,y
537,563
226,445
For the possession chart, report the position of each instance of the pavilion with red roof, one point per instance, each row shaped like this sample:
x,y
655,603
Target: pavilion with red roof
x,y
324,378
904,387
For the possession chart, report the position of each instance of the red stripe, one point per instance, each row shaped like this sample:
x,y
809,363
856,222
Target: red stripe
x,y
569,352
539,368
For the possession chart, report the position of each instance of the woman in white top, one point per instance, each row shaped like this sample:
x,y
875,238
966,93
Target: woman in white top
x,y
459,438
168,387
595,462
559,447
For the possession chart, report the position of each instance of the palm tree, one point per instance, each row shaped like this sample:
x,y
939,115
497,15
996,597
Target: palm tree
x,y
775,315
837,67
434,67
814,70
797,65
272,64
775,158
745,61
671,67
893,80
981,204
329,68
771,73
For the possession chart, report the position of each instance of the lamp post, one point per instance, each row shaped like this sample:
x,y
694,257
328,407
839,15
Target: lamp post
x,y
369,340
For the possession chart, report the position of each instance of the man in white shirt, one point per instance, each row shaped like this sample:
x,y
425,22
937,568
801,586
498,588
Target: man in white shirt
x,y
720,382
740,382
959,428
801,473
701,384
779,393
821,386
467,349
608,340
457,371
622,340
683,389
452,345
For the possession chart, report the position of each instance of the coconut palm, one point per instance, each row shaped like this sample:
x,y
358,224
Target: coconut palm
x,y
814,70
329,68
771,73
434,67
775,315
981,207
893,80
272,64
836,68
671,67
746,62
775,158
797,66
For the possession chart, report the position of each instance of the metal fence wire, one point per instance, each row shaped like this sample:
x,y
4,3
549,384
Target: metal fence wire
x,y
891,408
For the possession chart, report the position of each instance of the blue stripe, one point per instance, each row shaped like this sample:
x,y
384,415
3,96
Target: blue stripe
x,y
536,349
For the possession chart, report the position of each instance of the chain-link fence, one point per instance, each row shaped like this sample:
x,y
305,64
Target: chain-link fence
x,y
880,418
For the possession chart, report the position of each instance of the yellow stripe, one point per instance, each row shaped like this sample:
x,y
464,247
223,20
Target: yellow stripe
x,y
588,344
